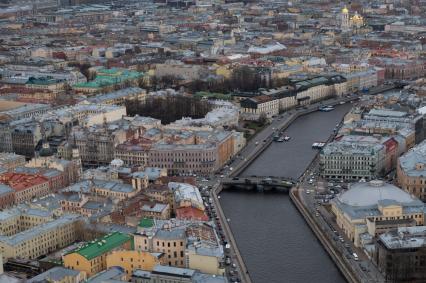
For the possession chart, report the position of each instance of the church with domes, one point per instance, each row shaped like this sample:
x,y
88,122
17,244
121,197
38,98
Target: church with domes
x,y
350,23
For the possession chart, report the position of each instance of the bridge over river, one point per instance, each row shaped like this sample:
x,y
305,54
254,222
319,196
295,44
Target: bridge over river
x,y
259,183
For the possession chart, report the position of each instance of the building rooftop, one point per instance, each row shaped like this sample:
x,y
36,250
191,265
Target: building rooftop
x,y
174,271
370,193
110,275
54,274
208,278
146,222
363,199
405,237
413,162
40,229
6,157
171,234
19,182
387,113
350,148
103,245
4,189
122,93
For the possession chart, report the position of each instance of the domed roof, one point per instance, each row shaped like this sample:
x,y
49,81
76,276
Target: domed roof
x,y
357,17
345,10
46,151
370,193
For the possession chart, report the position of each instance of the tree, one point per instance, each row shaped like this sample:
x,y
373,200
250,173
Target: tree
x,y
169,108
84,68
263,119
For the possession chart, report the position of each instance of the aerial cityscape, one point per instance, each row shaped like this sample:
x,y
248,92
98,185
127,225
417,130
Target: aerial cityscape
x,y
212,141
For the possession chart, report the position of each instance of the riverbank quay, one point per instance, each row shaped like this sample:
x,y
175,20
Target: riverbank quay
x,y
346,270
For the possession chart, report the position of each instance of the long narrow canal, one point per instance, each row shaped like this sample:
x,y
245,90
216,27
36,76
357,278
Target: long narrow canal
x,y
275,242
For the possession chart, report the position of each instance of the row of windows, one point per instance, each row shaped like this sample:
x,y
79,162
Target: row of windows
x,y
346,157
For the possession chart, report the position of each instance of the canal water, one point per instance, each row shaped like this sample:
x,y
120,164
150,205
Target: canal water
x,y
289,159
273,238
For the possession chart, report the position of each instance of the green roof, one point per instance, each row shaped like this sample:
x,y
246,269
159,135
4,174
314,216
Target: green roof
x,y
103,245
107,77
43,81
215,95
146,223
109,71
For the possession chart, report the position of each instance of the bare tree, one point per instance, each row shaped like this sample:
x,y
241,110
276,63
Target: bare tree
x,y
170,108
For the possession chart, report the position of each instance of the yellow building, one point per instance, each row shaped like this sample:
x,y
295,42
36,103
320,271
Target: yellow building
x,y
224,71
91,258
171,242
205,258
369,209
15,220
132,260
411,171
40,240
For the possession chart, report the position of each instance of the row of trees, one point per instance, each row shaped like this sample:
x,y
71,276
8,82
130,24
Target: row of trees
x,y
242,79
169,108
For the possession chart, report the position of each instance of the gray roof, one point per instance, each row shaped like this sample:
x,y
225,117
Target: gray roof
x,y
114,273
369,193
415,156
206,249
157,207
152,173
54,274
177,233
122,93
176,271
23,210
40,229
208,278
113,186
93,205
84,186
405,237
350,148
362,199
387,113
9,213
5,189
141,274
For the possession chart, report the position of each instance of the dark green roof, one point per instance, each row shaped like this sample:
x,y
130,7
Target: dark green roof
x,y
146,223
43,81
103,245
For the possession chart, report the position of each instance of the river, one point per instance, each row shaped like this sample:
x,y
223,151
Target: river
x,y
274,240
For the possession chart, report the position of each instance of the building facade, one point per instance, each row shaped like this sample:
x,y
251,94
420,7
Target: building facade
x,y
132,260
41,239
92,258
26,186
352,161
369,209
171,242
411,171
401,254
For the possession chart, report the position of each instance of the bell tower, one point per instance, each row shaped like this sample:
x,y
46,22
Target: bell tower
x,y
344,18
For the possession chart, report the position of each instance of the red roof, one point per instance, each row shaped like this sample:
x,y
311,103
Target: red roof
x,y
191,213
21,181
